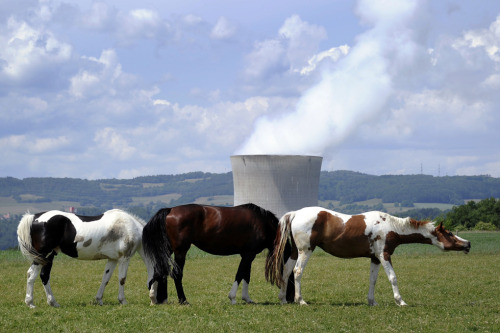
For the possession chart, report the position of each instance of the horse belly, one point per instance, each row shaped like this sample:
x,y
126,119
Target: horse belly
x,y
353,248
98,251
235,244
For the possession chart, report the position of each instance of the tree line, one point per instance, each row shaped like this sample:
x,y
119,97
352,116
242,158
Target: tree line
x,y
345,186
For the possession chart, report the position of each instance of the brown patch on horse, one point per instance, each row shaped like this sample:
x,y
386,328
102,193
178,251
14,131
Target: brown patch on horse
x,y
417,224
344,240
393,240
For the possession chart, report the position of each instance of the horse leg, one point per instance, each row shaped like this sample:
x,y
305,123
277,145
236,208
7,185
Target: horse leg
x,y
391,275
298,271
243,273
122,277
374,268
246,278
45,277
33,272
180,260
287,271
108,271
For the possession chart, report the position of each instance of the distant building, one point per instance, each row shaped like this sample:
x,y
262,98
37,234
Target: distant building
x,y
279,183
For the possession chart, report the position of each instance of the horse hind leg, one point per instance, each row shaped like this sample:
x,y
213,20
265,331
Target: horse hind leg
x,y
33,272
45,277
108,271
287,271
243,274
122,277
298,271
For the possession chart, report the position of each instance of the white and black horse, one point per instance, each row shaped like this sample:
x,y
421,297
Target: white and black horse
x,y
114,235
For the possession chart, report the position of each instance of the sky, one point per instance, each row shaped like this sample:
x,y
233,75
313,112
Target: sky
x,y
121,89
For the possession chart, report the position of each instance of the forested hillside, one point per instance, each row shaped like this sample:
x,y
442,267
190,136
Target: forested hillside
x,y
344,186
143,196
348,186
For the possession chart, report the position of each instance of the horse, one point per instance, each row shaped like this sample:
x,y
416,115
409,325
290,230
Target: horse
x,y
374,235
114,235
245,230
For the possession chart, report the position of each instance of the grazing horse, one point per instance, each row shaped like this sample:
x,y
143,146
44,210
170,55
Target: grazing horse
x,y
374,235
245,230
114,235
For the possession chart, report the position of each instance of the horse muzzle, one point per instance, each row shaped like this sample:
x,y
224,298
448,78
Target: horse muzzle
x,y
467,247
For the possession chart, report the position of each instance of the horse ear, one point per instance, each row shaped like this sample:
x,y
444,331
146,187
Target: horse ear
x,y
440,227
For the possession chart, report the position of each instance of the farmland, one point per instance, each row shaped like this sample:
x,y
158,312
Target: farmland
x,y
445,292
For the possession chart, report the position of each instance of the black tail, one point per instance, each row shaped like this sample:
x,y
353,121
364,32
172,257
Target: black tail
x,y
156,245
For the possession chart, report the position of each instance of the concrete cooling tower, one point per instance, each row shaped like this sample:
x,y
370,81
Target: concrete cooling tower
x,y
279,183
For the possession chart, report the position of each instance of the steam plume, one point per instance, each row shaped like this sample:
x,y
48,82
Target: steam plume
x,y
351,94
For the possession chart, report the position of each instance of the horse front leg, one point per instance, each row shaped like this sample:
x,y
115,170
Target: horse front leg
x,y
374,269
243,274
108,271
33,272
180,260
298,271
391,275
287,271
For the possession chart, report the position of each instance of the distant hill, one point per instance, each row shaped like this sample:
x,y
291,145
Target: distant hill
x,y
344,186
348,187
346,191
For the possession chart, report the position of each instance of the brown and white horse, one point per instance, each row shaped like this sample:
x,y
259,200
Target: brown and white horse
x,y
245,230
114,235
374,235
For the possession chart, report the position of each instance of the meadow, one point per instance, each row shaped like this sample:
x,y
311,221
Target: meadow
x,y
446,291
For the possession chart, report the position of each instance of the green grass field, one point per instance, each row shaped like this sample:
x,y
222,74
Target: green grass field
x,y
445,292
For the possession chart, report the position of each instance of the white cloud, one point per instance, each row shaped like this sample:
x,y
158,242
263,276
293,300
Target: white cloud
x,y
303,40
113,142
102,76
223,29
28,52
486,39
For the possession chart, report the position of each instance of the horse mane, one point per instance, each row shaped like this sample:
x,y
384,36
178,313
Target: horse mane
x,y
405,223
261,211
137,218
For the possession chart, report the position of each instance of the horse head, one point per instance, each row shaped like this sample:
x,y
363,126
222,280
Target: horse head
x,y
450,242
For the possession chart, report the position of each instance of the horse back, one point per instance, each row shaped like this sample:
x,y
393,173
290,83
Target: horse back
x,y
219,230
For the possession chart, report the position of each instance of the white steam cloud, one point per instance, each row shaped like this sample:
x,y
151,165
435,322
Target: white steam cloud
x,y
349,95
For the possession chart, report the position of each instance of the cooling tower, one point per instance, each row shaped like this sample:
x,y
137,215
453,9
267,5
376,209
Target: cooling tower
x,y
279,183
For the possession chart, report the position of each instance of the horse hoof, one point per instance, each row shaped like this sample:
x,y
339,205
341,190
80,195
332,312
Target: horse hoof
x,y
248,301
123,302
372,303
97,301
184,302
302,302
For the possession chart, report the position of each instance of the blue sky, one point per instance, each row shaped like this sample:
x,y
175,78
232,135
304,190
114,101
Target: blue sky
x,y
119,89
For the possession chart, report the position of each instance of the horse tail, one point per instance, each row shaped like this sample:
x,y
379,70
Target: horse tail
x,y
155,244
25,242
282,250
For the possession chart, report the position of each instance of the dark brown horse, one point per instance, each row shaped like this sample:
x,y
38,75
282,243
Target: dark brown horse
x,y
245,230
